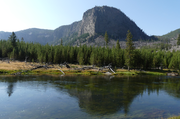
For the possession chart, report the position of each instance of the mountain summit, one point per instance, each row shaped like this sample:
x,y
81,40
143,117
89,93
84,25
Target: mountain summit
x,y
98,20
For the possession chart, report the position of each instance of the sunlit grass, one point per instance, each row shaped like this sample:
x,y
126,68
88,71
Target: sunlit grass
x,y
175,117
14,65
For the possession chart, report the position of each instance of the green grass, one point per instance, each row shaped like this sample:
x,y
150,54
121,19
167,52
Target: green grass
x,y
4,71
149,72
8,72
83,72
126,73
175,117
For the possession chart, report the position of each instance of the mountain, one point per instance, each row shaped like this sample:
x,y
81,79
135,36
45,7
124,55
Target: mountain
x,y
66,32
31,35
98,20
4,35
171,35
90,30
36,35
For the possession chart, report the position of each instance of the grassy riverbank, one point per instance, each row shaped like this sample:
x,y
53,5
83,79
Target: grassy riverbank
x,y
178,117
16,66
147,72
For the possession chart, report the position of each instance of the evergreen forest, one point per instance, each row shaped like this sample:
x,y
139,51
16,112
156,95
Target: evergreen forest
x,y
16,49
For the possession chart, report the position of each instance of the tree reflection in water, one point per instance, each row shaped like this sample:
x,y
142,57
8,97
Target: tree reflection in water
x,y
10,89
99,96
11,82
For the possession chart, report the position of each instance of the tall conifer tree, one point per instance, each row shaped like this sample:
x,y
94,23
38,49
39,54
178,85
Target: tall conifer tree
x,y
178,40
13,39
118,45
106,38
129,50
61,42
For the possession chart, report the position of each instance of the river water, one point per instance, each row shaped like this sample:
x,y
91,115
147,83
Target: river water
x,y
87,97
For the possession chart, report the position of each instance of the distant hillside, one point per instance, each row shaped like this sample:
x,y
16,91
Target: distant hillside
x,y
4,35
171,35
31,35
90,30
36,35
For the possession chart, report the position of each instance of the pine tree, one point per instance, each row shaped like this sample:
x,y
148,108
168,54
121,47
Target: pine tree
x,y
61,42
106,38
92,58
71,55
118,45
80,57
129,50
178,40
14,53
13,39
22,39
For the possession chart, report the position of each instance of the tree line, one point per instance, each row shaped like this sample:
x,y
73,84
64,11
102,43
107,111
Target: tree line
x,y
130,57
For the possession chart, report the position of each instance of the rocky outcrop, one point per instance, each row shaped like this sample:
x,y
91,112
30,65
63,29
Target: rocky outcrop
x,y
67,30
98,20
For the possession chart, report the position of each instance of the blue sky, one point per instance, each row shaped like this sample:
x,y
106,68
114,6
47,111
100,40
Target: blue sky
x,y
154,17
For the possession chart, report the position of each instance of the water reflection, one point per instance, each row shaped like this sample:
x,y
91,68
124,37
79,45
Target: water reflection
x,y
172,87
99,96
11,84
102,95
10,89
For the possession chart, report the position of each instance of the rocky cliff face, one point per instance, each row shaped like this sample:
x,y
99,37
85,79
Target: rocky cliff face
x,y
98,20
67,30
88,23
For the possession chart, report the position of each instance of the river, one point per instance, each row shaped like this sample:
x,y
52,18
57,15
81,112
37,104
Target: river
x,y
87,97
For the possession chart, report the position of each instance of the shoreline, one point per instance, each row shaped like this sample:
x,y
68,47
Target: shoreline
x,y
43,71
30,68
